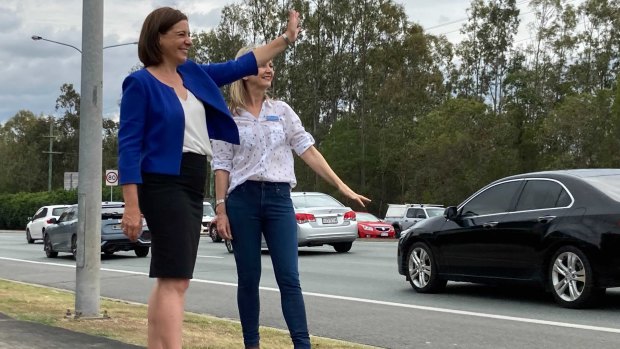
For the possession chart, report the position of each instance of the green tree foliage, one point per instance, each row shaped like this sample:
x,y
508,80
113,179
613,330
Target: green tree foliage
x,y
402,115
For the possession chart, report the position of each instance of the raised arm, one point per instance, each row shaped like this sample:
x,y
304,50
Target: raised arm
x,y
268,51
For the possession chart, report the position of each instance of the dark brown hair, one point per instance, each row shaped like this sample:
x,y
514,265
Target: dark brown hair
x,y
157,22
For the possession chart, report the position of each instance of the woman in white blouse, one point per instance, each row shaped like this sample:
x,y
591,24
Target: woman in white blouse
x,y
253,181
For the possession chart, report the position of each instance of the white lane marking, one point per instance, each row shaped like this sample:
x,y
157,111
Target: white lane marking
x,y
371,301
217,257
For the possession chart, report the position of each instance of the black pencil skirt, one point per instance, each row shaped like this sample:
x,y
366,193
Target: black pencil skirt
x,y
172,207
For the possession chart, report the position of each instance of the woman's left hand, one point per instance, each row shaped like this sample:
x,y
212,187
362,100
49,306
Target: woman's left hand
x,y
359,199
294,26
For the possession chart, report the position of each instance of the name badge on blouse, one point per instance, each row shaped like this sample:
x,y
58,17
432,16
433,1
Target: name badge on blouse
x,y
272,118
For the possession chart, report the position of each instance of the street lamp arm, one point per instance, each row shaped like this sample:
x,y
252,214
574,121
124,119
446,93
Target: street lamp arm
x,y
125,44
36,38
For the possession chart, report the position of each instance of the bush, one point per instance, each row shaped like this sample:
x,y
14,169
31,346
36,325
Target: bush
x,y
16,208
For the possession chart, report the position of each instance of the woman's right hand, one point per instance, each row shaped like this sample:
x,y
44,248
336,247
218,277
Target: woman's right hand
x,y
223,227
131,223
293,26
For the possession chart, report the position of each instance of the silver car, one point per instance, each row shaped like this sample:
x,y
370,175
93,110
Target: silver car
x,y
321,219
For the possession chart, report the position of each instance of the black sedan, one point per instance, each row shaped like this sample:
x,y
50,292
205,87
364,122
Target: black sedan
x,y
560,229
61,235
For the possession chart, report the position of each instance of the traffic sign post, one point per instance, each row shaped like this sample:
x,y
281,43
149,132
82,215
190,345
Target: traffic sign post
x,y
111,180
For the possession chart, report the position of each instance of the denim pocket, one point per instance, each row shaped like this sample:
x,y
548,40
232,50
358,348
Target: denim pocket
x,y
283,191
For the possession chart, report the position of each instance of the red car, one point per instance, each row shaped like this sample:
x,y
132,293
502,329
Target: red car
x,y
369,226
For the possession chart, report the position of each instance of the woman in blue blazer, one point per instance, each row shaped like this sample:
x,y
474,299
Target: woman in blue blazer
x,y
169,111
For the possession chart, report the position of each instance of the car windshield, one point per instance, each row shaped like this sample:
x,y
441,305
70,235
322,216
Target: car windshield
x,y
305,201
610,185
434,212
366,217
207,210
58,211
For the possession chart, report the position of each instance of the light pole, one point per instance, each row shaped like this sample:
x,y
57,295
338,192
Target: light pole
x,y
88,244
51,136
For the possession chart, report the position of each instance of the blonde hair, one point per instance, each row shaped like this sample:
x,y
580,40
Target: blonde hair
x,y
238,91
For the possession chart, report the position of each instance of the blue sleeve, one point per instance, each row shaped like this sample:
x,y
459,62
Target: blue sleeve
x,y
131,131
233,70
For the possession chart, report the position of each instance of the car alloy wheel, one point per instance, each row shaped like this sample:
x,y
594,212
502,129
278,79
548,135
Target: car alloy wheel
x,y
74,246
47,247
571,278
229,246
422,269
215,237
29,237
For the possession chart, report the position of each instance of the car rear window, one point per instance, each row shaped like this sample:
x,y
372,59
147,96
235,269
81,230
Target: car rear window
x,y
111,210
610,185
58,211
434,212
395,211
304,201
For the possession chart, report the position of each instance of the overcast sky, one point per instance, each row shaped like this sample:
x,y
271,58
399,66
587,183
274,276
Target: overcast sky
x,y
31,72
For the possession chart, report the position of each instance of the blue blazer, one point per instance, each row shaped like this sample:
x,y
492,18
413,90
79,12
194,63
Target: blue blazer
x,y
152,122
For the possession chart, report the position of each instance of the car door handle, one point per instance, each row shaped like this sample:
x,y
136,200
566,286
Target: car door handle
x,y
489,225
546,219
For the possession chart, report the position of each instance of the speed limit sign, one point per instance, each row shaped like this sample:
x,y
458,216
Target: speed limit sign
x,y
111,178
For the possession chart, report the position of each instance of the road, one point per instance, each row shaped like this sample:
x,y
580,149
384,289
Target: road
x,y
356,296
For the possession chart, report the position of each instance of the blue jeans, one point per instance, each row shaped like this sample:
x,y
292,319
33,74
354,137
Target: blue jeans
x,y
252,208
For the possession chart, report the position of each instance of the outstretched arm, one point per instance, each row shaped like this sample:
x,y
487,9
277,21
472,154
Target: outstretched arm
x,y
268,51
317,162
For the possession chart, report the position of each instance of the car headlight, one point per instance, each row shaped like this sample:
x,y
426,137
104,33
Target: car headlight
x,y
365,227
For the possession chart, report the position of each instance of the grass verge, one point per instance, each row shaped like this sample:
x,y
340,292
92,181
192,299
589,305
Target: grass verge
x,y
128,322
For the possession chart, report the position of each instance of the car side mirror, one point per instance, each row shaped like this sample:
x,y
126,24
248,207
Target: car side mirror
x,y
29,218
52,221
450,213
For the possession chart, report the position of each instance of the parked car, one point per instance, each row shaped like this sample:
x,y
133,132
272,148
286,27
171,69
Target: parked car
x,y
560,229
35,229
403,216
208,214
61,235
321,219
369,226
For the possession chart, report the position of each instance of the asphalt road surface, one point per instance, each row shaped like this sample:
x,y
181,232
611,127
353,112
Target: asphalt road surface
x,y
357,297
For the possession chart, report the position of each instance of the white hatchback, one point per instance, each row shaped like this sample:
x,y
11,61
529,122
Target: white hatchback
x,y
35,229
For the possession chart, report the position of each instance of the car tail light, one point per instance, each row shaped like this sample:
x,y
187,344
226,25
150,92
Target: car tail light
x,y
49,221
304,218
349,216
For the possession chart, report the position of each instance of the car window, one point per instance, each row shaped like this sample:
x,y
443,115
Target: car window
x,y
57,211
411,213
207,210
564,199
434,212
495,199
419,213
64,216
540,194
41,213
305,201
